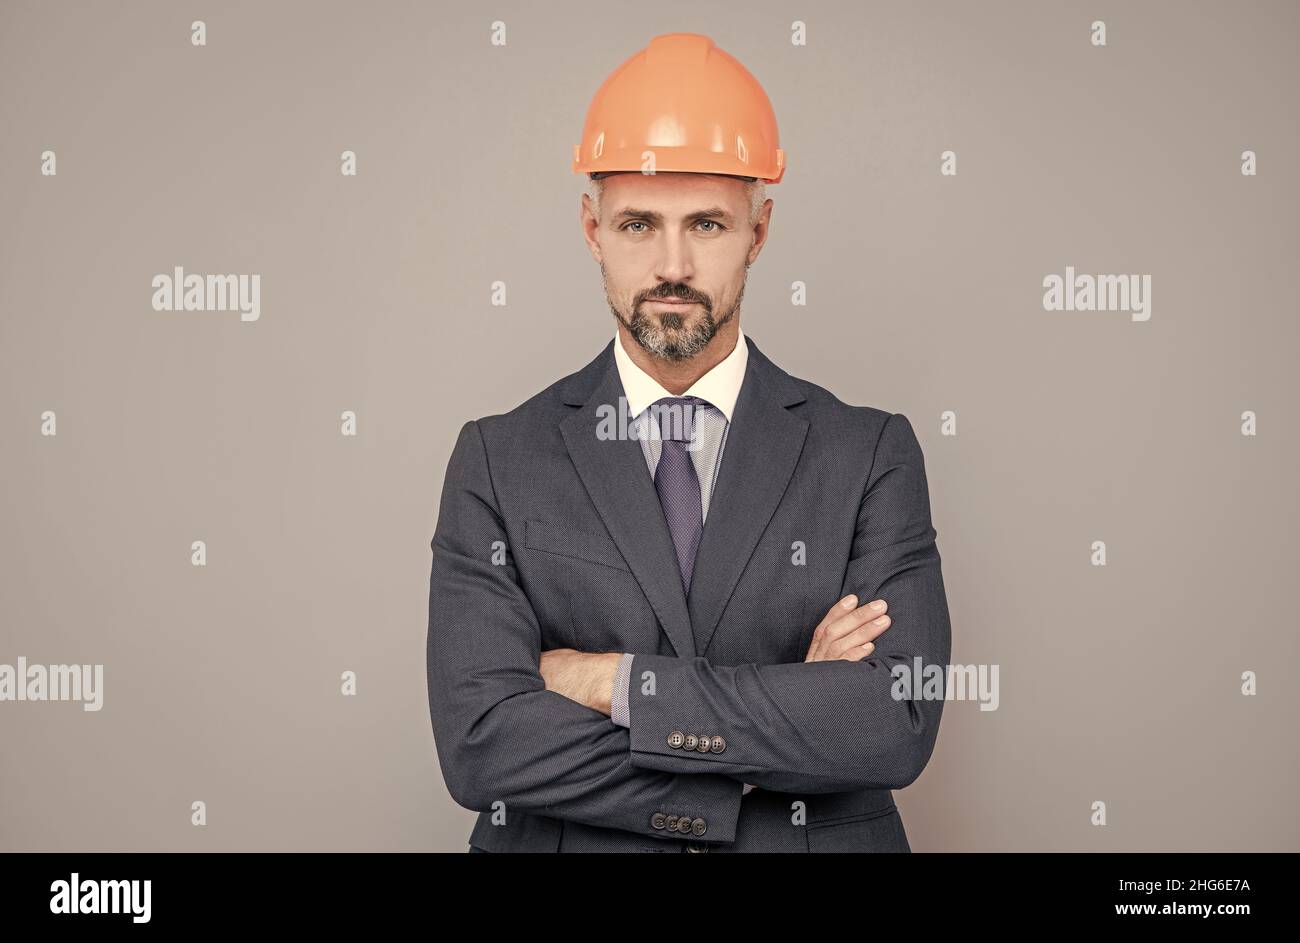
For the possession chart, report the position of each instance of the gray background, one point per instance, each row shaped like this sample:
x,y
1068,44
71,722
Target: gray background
x,y
1118,683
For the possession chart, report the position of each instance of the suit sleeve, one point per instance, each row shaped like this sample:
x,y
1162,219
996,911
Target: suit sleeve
x,y
619,701
501,736
827,726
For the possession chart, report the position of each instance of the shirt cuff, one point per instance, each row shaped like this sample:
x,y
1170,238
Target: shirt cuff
x,y
745,791
618,706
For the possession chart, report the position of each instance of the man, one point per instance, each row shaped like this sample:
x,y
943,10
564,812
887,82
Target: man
x,y
669,592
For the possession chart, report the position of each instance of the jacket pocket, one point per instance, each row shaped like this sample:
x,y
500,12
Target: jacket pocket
x,y
832,808
576,544
879,832
856,817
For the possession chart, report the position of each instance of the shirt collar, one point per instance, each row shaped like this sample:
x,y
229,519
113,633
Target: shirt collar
x,y
720,386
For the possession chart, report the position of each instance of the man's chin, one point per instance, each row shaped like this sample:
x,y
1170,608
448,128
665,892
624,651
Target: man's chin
x,y
682,338
674,346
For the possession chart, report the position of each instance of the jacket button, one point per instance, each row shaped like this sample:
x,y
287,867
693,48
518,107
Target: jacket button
x,y
703,745
676,739
684,824
718,745
671,823
698,826
691,741
658,820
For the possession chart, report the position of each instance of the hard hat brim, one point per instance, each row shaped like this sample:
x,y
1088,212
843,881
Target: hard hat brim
x,y
601,174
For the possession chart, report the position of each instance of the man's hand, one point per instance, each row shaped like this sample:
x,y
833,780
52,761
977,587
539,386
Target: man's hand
x,y
846,633
585,677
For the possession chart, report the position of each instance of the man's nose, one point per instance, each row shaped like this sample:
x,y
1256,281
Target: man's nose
x,y
675,263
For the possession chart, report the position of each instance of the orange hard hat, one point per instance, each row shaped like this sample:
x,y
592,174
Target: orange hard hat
x,y
693,106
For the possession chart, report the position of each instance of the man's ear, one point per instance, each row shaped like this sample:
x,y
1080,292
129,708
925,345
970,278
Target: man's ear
x,y
590,226
761,229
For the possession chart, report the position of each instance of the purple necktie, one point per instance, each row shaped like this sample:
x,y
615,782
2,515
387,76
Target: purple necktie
x,y
676,481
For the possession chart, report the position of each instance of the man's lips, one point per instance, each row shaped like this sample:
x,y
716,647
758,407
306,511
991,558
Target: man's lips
x,y
672,301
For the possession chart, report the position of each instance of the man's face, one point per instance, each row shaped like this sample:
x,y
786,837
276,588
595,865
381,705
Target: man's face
x,y
674,250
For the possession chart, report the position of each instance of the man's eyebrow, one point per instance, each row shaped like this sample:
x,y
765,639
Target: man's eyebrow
x,y
713,212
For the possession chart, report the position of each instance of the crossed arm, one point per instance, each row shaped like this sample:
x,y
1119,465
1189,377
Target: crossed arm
x,y
602,681
817,726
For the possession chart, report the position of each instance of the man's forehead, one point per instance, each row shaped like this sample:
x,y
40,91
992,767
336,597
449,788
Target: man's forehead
x,y
658,195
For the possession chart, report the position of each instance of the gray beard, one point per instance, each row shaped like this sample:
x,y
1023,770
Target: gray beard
x,y
662,336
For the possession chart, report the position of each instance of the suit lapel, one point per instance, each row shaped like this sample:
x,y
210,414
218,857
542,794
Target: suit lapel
x,y
614,472
763,445
762,448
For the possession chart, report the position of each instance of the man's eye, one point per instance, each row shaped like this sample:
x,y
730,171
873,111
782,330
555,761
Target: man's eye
x,y
627,227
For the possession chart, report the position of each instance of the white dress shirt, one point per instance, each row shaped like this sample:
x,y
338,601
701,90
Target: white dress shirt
x,y
719,387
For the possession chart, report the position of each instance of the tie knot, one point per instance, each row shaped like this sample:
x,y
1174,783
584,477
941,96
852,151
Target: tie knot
x,y
675,416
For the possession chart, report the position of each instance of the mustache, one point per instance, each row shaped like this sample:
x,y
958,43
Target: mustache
x,y
680,292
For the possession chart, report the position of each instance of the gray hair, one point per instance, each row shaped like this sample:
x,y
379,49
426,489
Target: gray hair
x,y
755,192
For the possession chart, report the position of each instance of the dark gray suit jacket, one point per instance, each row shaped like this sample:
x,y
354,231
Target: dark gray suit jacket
x,y
551,535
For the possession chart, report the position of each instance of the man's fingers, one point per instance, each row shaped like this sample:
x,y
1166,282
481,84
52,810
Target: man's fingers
x,y
863,615
837,610
840,620
819,637
854,641
847,622
855,653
